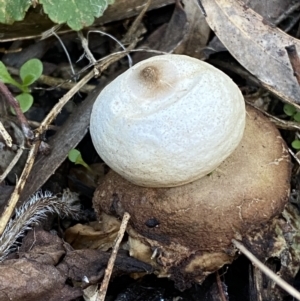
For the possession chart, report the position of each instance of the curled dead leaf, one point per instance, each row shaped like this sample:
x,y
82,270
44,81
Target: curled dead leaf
x,y
95,235
257,45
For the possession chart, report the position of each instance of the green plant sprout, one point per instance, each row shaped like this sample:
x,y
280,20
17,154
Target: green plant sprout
x,y
29,73
296,144
294,114
74,156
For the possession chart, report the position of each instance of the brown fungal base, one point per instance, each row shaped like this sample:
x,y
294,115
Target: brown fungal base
x,y
188,229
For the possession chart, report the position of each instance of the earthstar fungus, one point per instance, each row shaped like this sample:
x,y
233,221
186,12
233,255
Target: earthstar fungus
x,y
185,232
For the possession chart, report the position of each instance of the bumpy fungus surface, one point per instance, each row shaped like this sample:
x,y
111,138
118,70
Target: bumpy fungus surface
x,y
167,121
191,226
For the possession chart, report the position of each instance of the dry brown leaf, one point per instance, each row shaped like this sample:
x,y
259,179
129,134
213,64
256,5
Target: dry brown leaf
x,y
34,275
26,280
258,46
95,235
269,10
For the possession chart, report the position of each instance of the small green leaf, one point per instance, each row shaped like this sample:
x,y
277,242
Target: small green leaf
x,y
289,109
6,78
13,10
76,13
25,100
28,80
74,156
296,117
31,71
296,144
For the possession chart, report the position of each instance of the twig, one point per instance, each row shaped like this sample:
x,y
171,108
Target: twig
x,y
147,50
297,160
36,124
19,151
5,135
292,23
120,54
12,164
295,60
15,159
3,50
85,46
285,14
48,33
12,102
279,281
116,40
10,207
294,156
16,132
110,264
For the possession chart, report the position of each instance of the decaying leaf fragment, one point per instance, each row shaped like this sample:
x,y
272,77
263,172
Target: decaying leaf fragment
x,y
256,44
34,275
